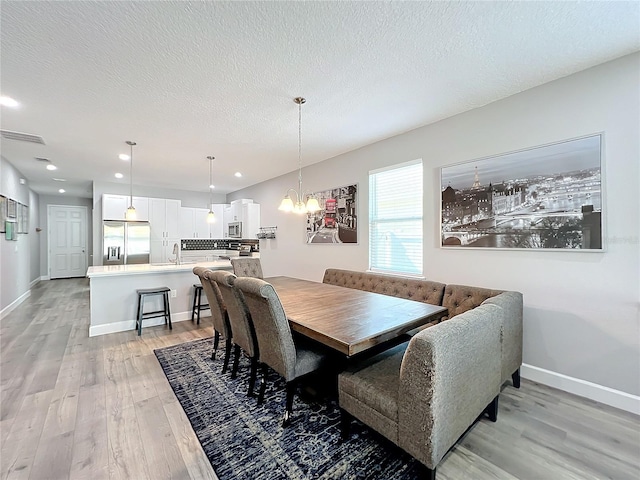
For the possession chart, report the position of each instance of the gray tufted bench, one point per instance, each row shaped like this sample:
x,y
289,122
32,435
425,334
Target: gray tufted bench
x,y
457,298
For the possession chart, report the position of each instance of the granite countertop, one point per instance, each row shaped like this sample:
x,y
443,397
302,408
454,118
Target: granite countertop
x,y
157,268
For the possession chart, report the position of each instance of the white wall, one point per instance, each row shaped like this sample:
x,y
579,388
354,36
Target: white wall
x,y
45,201
34,237
187,198
16,256
581,309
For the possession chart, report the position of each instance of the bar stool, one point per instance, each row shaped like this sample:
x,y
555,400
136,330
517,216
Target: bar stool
x,y
197,302
165,312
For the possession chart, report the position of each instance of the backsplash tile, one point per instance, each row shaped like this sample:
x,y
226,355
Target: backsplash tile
x,y
215,244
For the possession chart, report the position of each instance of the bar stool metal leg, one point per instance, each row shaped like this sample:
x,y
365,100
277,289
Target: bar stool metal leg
x,y
168,310
199,303
193,306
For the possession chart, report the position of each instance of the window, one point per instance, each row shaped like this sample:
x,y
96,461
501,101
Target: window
x,y
395,219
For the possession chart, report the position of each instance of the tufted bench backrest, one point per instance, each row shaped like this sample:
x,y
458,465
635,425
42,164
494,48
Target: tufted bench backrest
x,y
460,298
403,287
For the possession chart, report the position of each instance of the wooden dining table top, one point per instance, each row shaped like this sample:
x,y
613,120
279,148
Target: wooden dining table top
x,y
349,320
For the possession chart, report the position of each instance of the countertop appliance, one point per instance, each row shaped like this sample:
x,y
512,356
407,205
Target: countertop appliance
x,y
125,243
235,230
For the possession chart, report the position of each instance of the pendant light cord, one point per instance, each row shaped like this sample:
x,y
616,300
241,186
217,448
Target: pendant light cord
x,y
300,149
131,174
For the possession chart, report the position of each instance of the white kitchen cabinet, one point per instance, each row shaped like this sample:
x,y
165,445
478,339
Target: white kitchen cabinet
x,y
163,219
114,207
242,211
250,220
162,251
193,223
216,229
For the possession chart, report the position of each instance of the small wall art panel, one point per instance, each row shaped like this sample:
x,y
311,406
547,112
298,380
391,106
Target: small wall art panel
x,y
337,220
548,197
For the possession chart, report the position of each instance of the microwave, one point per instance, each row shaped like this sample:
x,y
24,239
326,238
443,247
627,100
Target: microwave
x,y
235,230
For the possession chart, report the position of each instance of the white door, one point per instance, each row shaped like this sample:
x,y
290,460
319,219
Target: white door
x,y
67,241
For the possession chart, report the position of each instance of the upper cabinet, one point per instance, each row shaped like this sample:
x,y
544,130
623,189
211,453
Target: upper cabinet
x,y
216,228
250,220
163,217
246,212
115,206
193,223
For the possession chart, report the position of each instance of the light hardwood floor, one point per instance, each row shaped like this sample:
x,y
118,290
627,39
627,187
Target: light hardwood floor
x,y
98,408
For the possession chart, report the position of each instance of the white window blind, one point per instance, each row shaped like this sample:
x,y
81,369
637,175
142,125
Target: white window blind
x,y
395,219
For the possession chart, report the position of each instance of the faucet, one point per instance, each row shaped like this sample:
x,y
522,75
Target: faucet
x,y
176,252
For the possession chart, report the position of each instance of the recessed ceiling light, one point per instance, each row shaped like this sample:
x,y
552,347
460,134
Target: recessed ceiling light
x,y
124,156
51,166
212,187
62,190
238,174
119,175
8,102
58,179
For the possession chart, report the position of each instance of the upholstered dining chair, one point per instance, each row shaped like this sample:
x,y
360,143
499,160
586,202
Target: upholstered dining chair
x,y
275,342
247,267
244,335
218,314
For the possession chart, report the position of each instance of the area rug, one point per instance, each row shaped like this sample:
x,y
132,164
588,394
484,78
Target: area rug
x,y
245,441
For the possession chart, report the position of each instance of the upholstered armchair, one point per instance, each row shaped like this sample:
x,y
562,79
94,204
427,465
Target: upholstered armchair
x,y
276,346
247,267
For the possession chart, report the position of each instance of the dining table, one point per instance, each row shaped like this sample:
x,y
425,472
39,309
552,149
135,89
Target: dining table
x,y
348,320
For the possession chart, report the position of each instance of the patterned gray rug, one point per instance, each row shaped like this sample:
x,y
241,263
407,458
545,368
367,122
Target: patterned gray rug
x,y
245,441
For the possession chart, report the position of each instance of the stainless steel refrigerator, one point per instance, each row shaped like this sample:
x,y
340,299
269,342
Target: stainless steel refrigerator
x,y
125,243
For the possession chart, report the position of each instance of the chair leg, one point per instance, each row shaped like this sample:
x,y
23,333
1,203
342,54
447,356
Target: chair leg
x,y
216,341
427,473
492,410
252,377
345,424
193,305
236,361
288,411
515,378
263,383
227,355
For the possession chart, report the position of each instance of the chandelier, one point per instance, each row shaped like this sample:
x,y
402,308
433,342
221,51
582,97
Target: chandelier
x,y
287,204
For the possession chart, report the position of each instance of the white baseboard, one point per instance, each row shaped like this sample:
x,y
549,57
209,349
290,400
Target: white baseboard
x,y
95,330
13,305
45,277
34,282
593,391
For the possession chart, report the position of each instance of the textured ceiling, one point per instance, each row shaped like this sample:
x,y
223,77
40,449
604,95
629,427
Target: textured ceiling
x,y
186,80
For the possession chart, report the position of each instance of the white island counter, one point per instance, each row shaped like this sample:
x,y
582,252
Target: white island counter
x,y
114,299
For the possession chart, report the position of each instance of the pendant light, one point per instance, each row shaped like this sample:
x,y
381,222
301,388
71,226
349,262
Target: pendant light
x,y
287,205
211,218
130,214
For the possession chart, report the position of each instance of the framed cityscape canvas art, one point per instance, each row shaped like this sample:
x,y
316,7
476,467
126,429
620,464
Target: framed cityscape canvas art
x,y
548,197
337,219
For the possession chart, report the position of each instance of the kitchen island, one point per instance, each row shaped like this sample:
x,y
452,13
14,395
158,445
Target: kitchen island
x,y
113,293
